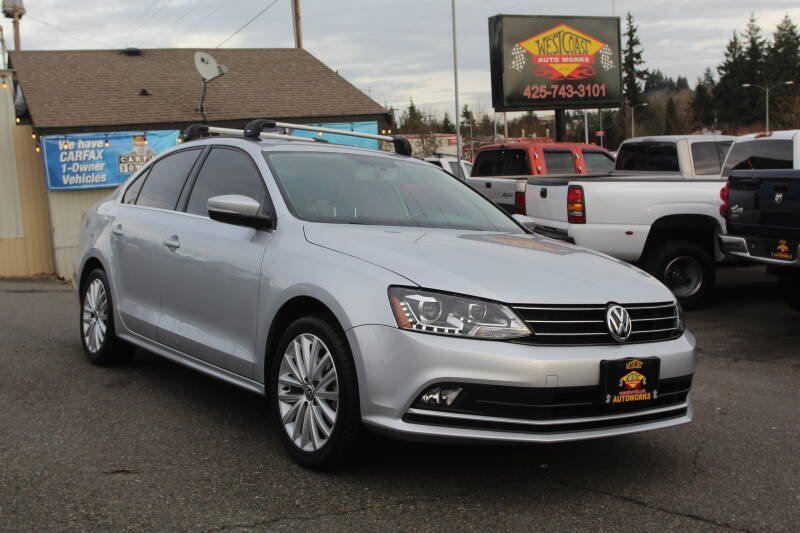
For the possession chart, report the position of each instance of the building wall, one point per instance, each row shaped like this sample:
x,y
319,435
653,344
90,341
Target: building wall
x,y
10,208
30,254
66,210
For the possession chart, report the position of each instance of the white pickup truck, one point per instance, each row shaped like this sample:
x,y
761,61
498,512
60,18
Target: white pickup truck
x,y
659,208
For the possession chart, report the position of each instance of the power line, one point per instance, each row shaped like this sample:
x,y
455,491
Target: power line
x,y
65,32
208,15
145,21
189,12
246,24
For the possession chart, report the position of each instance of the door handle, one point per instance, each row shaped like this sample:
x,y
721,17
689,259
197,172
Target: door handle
x,y
117,230
488,184
543,193
172,243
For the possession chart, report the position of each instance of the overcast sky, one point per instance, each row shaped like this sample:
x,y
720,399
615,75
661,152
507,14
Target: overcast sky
x,y
393,50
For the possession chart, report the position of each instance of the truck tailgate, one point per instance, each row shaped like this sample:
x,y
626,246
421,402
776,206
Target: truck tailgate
x,y
500,190
546,199
765,203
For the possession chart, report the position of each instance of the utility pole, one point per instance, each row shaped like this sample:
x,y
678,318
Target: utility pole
x,y
586,125
455,82
14,9
298,27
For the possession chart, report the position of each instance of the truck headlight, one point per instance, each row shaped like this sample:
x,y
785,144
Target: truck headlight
x,y
458,316
680,326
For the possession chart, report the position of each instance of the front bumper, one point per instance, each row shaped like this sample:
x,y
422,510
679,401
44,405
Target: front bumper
x,y
396,366
740,247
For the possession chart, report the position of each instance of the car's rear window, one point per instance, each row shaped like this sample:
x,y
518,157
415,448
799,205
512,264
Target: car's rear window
x,y
598,162
648,156
760,154
501,162
344,188
559,162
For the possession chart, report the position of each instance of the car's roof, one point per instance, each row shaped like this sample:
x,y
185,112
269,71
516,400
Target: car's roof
x,y
785,135
676,138
280,145
527,143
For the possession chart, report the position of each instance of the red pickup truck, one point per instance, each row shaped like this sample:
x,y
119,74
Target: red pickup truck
x,y
532,157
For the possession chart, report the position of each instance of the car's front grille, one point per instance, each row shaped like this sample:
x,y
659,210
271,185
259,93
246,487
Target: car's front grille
x,y
575,325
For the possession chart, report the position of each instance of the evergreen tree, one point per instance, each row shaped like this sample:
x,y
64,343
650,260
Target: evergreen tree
x,y
729,95
657,80
446,125
412,119
671,118
702,104
755,49
681,84
782,63
632,73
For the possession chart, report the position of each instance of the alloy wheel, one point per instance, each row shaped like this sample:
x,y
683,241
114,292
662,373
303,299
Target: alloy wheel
x,y
94,316
308,392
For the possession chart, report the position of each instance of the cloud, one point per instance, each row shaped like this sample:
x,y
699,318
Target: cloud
x,y
394,50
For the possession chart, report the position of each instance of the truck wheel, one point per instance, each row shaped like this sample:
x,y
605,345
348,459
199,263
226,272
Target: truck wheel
x,y
686,268
790,289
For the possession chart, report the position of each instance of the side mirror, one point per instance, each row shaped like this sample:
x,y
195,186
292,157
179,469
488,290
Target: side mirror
x,y
524,221
239,210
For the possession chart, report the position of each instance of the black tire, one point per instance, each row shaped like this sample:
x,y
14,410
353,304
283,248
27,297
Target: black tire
x,y
667,260
790,289
346,433
111,350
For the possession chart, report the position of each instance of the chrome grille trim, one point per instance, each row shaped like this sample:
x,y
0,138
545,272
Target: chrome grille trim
x,y
584,325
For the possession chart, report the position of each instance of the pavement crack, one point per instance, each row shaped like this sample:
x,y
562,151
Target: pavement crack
x,y
650,506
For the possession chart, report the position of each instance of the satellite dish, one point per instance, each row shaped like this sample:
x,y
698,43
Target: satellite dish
x,y
208,67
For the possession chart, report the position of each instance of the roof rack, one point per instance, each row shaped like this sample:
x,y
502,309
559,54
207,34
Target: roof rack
x,y
255,130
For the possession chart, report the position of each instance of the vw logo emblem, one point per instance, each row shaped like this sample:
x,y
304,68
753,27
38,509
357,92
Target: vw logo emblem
x,y
778,198
618,322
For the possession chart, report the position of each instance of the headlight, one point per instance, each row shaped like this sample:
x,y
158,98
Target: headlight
x,y
679,324
445,314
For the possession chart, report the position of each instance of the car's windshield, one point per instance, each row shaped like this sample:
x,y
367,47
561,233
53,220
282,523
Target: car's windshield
x,y
370,189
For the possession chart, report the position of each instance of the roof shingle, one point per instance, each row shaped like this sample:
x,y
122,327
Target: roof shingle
x,y
91,88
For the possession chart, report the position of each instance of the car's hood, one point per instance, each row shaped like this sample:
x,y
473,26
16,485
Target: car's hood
x,y
498,266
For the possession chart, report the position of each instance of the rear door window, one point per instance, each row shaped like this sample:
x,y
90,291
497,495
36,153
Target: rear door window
x,y
760,154
707,157
225,171
132,192
598,162
559,162
163,184
502,162
646,156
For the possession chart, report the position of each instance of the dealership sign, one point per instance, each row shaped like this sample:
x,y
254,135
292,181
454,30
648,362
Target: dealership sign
x,y
554,62
98,160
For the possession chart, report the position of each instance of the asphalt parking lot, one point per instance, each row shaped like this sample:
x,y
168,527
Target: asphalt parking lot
x,y
154,446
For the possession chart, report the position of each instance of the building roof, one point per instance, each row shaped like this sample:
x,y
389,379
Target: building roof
x,y
94,88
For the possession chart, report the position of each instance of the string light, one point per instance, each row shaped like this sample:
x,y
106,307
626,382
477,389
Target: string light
x,y
5,83
66,145
33,136
38,148
18,120
107,144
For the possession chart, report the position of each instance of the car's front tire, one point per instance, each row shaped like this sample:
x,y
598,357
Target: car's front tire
x,y
313,390
98,336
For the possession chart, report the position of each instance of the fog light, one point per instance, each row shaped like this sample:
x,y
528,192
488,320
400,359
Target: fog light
x,y
439,396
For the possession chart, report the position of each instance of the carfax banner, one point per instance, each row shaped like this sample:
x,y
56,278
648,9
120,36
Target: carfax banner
x,y
98,160
554,62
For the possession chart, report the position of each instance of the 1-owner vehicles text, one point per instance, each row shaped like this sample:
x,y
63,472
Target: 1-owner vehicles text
x,y
351,287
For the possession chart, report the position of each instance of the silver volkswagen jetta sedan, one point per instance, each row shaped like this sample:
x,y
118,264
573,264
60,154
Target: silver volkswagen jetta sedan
x,y
360,288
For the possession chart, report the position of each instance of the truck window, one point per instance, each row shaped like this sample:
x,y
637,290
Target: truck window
x,y
504,162
646,156
707,157
559,162
598,162
760,154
